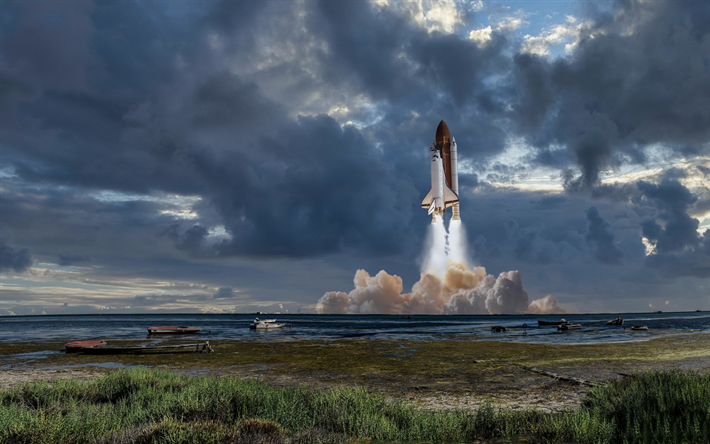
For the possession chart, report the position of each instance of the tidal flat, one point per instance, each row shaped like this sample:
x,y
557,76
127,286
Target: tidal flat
x,y
434,375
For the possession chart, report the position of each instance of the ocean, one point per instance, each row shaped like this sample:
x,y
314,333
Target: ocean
x,y
520,328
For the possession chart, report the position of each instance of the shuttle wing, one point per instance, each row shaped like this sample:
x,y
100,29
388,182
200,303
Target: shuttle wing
x,y
450,197
426,202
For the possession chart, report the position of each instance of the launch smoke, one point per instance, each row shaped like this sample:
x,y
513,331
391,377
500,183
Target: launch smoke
x,y
461,290
448,284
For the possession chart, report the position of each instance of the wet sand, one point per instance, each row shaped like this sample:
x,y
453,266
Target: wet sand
x,y
430,374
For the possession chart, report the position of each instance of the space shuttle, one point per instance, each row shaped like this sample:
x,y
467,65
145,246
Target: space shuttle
x,y
444,191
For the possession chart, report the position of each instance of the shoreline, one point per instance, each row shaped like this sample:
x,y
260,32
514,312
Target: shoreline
x,y
432,375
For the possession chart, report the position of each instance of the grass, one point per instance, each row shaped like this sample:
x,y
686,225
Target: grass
x,y
156,406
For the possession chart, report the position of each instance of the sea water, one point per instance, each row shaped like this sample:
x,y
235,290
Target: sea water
x,y
520,328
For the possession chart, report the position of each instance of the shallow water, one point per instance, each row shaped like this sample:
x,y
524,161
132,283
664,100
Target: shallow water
x,y
391,327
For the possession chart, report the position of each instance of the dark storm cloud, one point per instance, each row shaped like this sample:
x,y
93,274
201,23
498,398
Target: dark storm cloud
x,y
71,259
201,99
193,240
224,293
17,259
600,238
622,91
679,249
329,191
224,99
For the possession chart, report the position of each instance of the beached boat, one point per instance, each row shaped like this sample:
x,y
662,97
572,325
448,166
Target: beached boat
x,y
567,326
618,321
173,330
541,323
203,347
78,346
265,324
639,328
498,329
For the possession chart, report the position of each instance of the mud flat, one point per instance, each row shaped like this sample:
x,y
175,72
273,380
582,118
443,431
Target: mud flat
x,y
436,375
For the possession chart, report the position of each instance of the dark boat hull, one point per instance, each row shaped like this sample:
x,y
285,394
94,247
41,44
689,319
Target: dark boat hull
x,y
173,330
540,323
149,349
79,346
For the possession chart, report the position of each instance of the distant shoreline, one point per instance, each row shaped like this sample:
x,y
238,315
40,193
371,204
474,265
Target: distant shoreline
x,y
554,315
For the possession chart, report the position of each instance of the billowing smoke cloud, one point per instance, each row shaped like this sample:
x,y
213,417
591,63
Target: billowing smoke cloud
x,y
461,291
546,305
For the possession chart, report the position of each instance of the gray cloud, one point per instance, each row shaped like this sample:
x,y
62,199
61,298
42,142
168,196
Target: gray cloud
x,y
18,260
621,91
600,238
679,249
70,259
245,108
224,293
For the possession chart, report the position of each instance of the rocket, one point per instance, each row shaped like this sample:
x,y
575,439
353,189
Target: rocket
x,y
444,191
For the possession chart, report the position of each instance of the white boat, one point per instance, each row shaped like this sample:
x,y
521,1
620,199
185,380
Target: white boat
x,y
567,326
265,324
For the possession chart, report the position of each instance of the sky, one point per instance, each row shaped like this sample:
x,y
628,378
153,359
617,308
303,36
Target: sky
x,y
219,157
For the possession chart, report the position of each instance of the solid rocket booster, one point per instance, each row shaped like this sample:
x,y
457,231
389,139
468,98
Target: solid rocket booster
x,y
444,176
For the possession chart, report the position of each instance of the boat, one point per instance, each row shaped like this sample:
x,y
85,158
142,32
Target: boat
x,y
265,324
618,321
173,330
148,349
78,346
498,329
639,328
561,321
567,326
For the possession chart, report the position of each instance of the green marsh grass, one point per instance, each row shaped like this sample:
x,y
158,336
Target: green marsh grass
x,y
156,406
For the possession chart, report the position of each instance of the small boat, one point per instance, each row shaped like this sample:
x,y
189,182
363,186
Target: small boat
x,y
561,321
567,326
498,329
265,324
78,346
148,349
173,330
618,321
639,328
406,317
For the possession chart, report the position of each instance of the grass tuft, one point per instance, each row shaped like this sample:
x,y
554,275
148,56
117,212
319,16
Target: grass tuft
x,y
155,406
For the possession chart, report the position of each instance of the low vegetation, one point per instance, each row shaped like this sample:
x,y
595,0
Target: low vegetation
x,y
156,406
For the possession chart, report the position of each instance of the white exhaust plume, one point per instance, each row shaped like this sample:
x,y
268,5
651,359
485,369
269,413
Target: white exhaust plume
x,y
458,251
435,256
546,305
